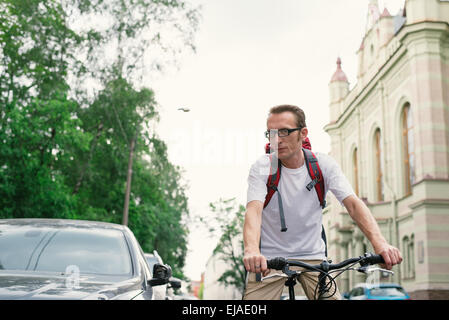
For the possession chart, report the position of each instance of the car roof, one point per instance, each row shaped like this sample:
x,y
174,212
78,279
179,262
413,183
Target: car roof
x,y
154,255
61,223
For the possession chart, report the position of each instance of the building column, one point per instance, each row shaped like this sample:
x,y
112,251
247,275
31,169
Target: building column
x,y
358,238
345,240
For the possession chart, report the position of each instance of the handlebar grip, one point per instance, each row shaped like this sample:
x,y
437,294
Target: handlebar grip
x,y
373,259
276,263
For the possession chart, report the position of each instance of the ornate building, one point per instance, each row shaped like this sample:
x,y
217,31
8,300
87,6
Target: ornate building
x,y
390,134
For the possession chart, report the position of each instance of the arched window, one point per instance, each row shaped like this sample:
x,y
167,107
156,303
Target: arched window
x,y
378,166
356,171
408,148
408,249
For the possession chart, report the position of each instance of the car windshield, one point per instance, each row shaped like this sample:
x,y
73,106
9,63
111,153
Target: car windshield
x,y
56,249
388,292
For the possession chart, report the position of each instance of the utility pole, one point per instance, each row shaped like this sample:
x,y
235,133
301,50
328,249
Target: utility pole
x,y
128,182
130,173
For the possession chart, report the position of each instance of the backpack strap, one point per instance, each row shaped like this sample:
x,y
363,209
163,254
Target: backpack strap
x,y
316,175
323,236
273,181
318,183
272,187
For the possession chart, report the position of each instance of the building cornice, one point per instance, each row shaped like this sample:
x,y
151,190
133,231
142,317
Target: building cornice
x,y
430,202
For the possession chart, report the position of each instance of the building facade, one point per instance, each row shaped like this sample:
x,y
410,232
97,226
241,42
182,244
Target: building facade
x,y
390,134
213,289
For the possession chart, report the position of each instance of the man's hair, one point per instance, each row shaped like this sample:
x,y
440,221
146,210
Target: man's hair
x,y
299,114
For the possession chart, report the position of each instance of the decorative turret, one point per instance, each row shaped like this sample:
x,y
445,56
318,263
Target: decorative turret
x,y
373,14
380,29
338,90
339,75
386,26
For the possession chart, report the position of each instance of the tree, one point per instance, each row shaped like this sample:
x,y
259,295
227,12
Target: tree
x,y
65,148
131,27
228,221
134,38
37,48
37,123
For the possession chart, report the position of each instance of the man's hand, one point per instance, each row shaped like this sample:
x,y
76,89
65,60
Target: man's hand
x,y
255,262
391,255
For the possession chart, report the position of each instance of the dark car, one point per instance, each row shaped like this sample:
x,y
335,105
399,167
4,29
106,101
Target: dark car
x,y
379,291
74,259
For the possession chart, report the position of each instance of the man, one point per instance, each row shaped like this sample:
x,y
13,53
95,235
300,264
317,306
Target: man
x,y
262,235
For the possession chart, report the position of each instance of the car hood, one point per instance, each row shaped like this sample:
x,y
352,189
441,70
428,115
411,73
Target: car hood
x,y
50,287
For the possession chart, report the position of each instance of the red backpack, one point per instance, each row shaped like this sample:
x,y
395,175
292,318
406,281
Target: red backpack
x,y
315,174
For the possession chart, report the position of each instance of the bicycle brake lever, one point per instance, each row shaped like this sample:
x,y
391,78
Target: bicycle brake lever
x,y
368,270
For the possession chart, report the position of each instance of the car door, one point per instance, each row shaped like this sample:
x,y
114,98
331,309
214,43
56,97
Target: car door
x,y
142,269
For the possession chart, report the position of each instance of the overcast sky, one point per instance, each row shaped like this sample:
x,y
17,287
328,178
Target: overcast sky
x,y
251,55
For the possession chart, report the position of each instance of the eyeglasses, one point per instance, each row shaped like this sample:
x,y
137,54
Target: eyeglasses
x,y
280,132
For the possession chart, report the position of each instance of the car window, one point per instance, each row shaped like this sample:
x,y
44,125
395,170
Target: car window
x,y
92,251
357,292
388,291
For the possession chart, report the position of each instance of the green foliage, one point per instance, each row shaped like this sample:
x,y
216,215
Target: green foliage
x,y
33,156
201,291
65,156
144,35
36,49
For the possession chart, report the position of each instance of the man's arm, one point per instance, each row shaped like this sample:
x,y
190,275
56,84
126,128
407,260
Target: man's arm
x,y
362,216
252,259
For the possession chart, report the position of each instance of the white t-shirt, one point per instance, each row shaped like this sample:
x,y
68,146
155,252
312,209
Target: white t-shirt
x,y
302,210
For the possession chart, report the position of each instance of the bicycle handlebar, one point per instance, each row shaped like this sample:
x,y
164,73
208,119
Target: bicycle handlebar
x,y
325,281
368,259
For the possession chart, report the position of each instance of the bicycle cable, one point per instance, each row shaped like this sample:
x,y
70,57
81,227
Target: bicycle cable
x,y
331,282
323,289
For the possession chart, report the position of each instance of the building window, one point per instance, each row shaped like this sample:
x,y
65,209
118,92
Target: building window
x,y
408,249
411,255
356,171
408,148
378,166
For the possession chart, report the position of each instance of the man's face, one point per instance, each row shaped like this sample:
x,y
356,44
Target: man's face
x,y
289,145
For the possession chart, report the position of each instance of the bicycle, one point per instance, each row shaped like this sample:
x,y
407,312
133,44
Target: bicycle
x,y
326,268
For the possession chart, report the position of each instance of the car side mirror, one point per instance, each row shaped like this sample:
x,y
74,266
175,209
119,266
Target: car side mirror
x,y
175,283
161,274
